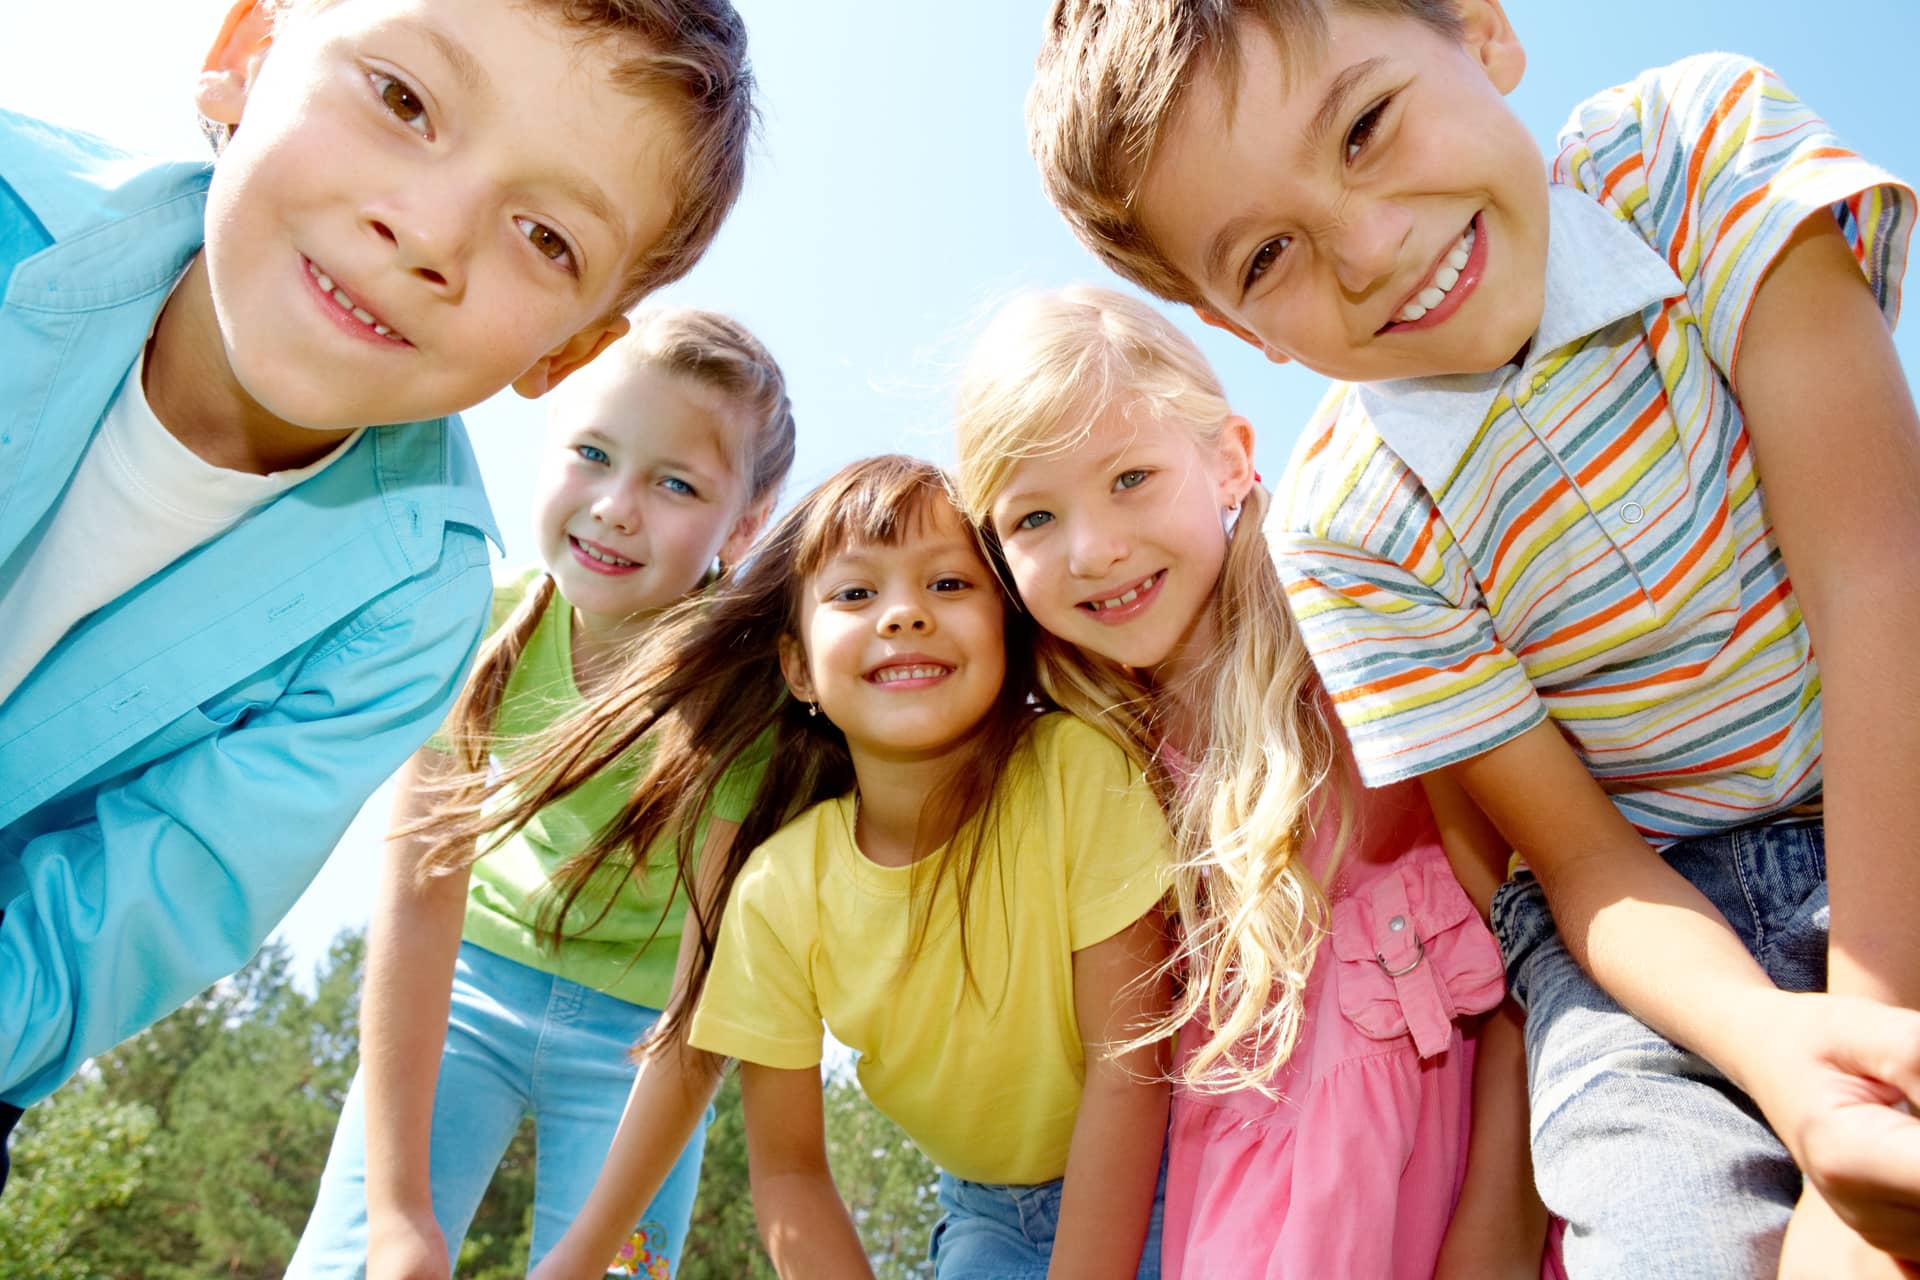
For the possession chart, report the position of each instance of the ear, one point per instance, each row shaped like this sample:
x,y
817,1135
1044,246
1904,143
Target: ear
x,y
575,353
228,71
793,667
1215,320
1236,460
1492,42
745,530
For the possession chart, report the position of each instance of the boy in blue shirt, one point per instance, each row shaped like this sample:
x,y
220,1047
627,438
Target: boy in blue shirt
x,y
237,596
1527,544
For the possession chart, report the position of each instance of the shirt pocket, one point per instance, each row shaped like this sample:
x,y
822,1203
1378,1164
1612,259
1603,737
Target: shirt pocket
x,y
1413,955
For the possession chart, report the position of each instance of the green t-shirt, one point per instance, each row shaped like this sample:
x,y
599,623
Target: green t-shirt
x,y
507,891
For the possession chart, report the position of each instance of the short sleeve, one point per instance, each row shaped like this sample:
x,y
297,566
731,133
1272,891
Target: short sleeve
x,y
1718,163
1119,851
1388,607
758,1003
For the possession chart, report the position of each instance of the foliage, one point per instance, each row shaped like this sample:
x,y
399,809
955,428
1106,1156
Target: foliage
x,y
194,1149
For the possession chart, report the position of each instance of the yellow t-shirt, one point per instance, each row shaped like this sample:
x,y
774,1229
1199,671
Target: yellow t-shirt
x,y
986,1082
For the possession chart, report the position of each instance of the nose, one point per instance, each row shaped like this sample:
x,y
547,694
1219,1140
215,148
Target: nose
x,y
1094,548
1366,245
618,507
431,233
905,616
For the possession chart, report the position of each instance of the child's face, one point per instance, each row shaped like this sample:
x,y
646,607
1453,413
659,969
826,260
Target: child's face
x,y
426,201
643,486
1116,545
903,647
1373,211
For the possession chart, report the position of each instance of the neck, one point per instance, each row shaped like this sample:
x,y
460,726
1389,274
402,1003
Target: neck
x,y
191,388
600,645
1181,684
896,796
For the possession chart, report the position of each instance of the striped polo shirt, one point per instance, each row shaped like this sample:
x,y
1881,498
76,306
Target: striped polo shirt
x,y
1582,535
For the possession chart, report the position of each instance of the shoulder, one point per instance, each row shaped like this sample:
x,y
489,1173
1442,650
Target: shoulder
x,y
1662,112
1065,747
70,181
1343,484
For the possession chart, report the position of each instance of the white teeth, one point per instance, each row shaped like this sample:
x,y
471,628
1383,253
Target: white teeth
x,y
1444,278
346,303
892,674
602,556
1132,594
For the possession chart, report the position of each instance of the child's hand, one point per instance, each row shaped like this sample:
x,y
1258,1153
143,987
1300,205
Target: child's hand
x,y
1835,1074
1819,1245
406,1246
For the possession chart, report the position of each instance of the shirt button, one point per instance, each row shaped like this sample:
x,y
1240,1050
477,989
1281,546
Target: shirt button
x,y
1631,512
1397,924
1540,383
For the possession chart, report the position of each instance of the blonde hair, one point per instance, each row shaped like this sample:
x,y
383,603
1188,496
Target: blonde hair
x,y
1111,73
708,348
690,56
1245,805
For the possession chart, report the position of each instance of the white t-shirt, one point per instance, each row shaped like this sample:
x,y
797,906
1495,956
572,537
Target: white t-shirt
x,y
138,501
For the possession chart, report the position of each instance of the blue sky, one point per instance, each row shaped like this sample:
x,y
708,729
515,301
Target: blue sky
x,y
892,202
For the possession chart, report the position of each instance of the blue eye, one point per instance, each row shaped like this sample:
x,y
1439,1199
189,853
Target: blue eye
x,y
1033,520
1130,479
674,484
590,453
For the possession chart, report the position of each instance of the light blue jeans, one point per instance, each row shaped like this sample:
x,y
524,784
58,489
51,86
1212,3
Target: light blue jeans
x,y
1000,1231
518,1042
1658,1164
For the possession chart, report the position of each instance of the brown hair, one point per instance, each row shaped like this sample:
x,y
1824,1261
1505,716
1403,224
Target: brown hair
x,y
708,348
705,691
1111,73
691,57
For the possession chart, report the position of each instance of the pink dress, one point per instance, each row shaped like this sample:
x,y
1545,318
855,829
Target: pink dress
x,y
1354,1170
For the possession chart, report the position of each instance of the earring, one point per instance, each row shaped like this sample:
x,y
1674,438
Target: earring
x,y
813,709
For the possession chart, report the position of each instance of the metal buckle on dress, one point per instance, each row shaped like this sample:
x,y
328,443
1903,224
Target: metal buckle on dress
x,y
1419,954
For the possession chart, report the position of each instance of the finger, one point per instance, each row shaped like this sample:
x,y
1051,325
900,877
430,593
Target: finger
x,y
1879,1041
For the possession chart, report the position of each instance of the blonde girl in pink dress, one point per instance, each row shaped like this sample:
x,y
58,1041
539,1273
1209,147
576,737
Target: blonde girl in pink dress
x,y
1329,955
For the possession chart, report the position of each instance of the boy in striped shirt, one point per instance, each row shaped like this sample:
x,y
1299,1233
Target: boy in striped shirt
x,y
1526,540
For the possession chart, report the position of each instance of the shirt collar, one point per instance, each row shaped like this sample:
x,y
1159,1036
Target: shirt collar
x,y
1598,271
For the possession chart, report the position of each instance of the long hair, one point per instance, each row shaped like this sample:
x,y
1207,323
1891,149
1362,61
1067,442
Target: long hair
x,y
1245,804
705,347
704,692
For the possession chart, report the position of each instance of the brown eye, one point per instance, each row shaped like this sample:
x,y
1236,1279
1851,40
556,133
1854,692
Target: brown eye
x,y
401,102
551,244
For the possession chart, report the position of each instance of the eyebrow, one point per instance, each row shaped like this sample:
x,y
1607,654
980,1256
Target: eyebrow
x,y
1334,105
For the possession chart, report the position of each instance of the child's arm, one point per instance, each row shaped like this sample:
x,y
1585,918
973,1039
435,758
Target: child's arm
x,y
1499,1225
412,942
803,1222
1661,949
1119,989
675,1084
1837,446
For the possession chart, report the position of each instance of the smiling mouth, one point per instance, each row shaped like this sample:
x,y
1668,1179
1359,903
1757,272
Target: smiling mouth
x,y
348,306
1449,274
601,555
914,671
1126,597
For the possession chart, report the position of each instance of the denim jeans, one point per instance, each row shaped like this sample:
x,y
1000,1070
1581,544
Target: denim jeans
x,y
1000,1231
1658,1164
519,1042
